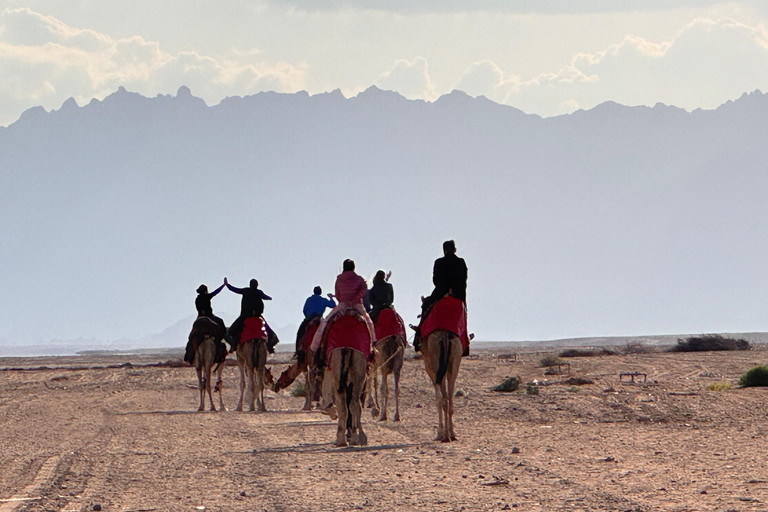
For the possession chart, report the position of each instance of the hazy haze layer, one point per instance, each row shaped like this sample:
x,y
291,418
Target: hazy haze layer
x,y
611,221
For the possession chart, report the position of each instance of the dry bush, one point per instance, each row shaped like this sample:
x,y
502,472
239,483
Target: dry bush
x,y
577,381
637,347
299,389
508,385
710,342
719,386
587,352
548,360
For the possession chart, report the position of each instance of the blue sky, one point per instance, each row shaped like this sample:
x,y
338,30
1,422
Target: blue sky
x,y
544,57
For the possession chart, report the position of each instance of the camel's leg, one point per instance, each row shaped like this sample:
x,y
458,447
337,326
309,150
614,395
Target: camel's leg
x,y
208,386
308,393
439,399
358,436
396,376
384,392
220,386
241,367
251,388
200,387
372,398
260,378
453,373
342,411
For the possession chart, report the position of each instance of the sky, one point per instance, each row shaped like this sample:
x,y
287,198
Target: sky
x,y
548,57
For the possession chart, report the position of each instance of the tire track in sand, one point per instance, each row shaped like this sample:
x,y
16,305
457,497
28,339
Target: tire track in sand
x,y
43,477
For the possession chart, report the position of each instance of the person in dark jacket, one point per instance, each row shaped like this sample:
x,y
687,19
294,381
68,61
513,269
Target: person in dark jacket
x,y
204,308
381,295
251,304
449,275
203,303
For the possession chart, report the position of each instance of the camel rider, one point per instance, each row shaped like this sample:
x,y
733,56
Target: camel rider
x,y
381,295
449,275
251,304
314,307
203,306
351,289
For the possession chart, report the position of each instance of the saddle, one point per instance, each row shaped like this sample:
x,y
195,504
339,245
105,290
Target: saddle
x,y
345,330
202,327
389,323
253,329
449,314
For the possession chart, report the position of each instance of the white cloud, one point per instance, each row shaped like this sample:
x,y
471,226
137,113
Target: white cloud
x,y
44,61
705,63
409,78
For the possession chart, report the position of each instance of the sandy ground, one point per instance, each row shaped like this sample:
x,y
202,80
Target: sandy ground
x,y
81,433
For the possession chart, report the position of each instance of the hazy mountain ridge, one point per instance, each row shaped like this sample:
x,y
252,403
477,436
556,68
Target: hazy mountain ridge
x,y
608,221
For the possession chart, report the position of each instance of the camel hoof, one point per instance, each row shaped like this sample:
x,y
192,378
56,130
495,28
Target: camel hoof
x,y
340,444
375,412
213,409
239,409
200,409
363,439
397,417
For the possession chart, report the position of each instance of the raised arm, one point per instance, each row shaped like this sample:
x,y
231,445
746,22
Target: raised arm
x,y
215,292
233,289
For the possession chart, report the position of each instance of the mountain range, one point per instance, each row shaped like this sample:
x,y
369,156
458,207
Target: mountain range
x,y
609,222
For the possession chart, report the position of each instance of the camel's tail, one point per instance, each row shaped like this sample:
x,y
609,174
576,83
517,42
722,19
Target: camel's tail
x,y
346,362
444,354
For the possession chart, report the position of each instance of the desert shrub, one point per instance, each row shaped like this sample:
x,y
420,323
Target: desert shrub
x,y
299,389
636,347
548,360
709,342
508,385
578,381
587,352
531,388
719,386
757,376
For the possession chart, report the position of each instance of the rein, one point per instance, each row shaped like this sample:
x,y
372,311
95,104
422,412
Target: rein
x,y
373,373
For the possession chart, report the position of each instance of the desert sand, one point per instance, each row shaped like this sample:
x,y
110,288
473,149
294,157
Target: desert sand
x,y
117,434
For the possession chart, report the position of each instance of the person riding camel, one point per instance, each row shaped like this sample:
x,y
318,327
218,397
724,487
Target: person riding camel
x,y
351,289
381,295
449,275
314,307
204,308
252,304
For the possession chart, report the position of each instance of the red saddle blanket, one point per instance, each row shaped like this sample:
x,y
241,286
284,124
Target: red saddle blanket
x,y
348,332
389,323
450,315
253,329
309,333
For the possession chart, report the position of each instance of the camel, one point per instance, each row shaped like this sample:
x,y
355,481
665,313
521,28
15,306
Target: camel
x,y
304,364
251,358
348,368
441,351
204,361
389,355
